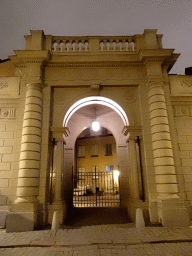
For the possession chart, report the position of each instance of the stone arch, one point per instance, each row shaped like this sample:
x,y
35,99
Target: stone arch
x,y
95,100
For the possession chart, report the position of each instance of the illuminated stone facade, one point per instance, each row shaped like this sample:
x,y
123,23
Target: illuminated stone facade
x,y
48,93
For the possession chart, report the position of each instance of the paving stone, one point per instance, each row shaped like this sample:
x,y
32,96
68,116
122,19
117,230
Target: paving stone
x,y
106,240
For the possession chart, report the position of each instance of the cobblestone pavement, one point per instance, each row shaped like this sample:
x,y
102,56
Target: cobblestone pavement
x,y
122,239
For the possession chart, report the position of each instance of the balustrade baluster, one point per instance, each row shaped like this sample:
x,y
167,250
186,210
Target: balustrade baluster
x,y
76,45
102,45
120,45
86,45
67,46
123,44
58,46
62,46
108,45
133,45
73,45
114,45
54,46
82,45
105,44
129,45
126,45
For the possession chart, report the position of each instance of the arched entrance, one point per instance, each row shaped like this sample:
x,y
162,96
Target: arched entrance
x,y
80,117
96,183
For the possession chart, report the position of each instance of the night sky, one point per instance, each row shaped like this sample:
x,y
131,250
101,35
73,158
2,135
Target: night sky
x,y
172,18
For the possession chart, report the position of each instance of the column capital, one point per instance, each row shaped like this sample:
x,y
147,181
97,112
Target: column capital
x,y
132,131
31,64
59,132
36,86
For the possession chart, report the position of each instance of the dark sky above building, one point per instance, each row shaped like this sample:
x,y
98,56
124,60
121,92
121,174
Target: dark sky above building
x,y
172,18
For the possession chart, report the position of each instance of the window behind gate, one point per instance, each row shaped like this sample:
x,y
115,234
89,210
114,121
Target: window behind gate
x,y
81,151
108,149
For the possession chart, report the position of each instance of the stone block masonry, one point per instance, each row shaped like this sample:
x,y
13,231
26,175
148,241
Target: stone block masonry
x,y
185,146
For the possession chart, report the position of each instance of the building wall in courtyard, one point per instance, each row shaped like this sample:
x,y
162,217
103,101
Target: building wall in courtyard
x,y
101,160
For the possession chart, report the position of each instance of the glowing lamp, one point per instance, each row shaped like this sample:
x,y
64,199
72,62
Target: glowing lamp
x,y
116,176
95,126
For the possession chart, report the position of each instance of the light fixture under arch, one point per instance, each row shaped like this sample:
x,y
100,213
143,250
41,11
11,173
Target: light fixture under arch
x,y
95,100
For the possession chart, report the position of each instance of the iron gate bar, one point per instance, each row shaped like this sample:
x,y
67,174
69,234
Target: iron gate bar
x,y
95,189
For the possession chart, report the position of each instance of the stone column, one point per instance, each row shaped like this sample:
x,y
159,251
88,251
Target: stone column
x,y
29,167
161,142
171,209
134,201
59,168
58,203
24,211
133,132
123,167
134,185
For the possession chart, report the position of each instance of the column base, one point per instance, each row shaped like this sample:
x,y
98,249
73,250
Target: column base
x,y
172,212
22,217
153,211
60,207
133,204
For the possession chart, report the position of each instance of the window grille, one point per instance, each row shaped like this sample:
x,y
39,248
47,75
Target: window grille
x,y
108,149
81,151
95,150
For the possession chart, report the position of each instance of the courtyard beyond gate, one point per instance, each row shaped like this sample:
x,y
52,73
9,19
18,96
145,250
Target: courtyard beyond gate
x,y
96,189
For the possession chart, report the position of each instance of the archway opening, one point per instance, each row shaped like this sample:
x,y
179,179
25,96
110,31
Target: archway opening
x,y
96,174
78,120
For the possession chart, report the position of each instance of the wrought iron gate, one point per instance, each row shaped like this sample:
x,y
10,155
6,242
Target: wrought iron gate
x,y
96,189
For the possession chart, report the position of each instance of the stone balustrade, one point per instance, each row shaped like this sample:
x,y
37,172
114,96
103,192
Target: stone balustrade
x,y
117,44
64,45
71,45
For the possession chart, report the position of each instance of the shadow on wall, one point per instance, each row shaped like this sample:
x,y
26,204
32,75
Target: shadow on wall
x,y
40,217
4,209
19,222
25,220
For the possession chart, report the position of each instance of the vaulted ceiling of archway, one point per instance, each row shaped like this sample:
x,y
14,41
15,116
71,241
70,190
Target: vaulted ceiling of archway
x,y
84,117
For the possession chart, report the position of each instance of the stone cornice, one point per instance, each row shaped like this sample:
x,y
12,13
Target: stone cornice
x,y
31,64
96,64
29,54
162,56
155,54
132,129
60,130
181,100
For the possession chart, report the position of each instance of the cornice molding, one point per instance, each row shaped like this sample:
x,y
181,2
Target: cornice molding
x,y
85,65
128,129
181,100
57,131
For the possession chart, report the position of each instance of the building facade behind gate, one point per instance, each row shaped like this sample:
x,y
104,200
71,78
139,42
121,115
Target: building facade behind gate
x,y
55,88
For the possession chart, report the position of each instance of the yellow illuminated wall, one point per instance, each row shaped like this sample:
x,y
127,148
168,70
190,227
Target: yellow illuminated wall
x,y
101,161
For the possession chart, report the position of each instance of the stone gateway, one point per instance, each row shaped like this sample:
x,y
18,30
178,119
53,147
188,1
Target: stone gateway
x,y
52,160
